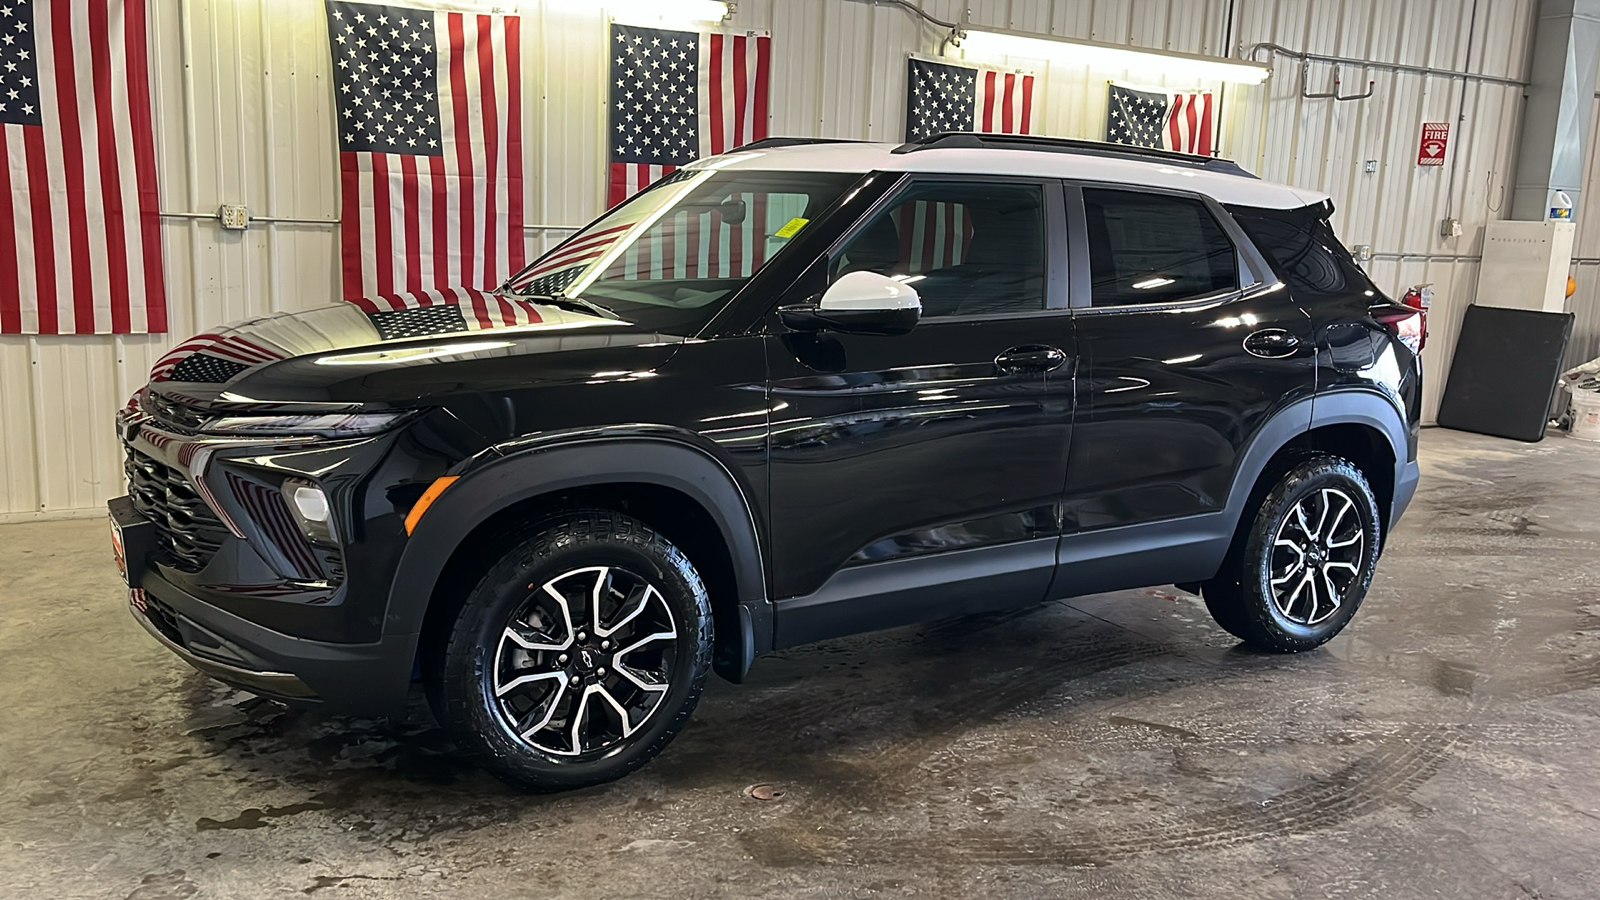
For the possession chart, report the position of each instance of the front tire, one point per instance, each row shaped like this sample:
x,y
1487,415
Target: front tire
x,y
578,656
1299,572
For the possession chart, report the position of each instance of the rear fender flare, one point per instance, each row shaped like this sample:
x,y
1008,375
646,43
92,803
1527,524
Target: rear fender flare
x,y
1358,407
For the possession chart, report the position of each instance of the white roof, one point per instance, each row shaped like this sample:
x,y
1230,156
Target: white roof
x,y
849,157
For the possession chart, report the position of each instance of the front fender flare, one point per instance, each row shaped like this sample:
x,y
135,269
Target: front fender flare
x,y
504,482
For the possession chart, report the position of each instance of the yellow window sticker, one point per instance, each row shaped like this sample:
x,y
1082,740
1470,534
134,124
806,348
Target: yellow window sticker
x,y
791,228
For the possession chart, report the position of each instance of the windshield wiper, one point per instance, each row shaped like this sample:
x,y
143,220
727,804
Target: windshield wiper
x,y
575,303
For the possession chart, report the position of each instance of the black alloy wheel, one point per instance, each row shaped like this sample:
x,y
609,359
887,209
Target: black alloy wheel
x,y
1301,567
578,656
585,661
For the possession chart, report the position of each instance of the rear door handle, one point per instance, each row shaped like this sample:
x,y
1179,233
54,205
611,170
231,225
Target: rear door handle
x,y
1271,343
1031,358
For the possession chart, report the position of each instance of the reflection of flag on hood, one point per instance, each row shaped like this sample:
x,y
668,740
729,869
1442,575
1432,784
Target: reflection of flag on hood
x,y
212,358
476,312
217,357
1180,121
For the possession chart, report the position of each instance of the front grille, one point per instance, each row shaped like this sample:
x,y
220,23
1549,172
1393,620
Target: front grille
x,y
173,414
186,528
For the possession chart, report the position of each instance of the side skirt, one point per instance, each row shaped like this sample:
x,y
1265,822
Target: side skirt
x,y
917,589
963,582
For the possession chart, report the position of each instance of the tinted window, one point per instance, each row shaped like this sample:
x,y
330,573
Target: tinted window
x,y
670,258
968,249
1155,248
1304,251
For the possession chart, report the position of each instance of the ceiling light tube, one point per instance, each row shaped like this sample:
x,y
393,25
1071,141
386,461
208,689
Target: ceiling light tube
x,y
1113,57
670,10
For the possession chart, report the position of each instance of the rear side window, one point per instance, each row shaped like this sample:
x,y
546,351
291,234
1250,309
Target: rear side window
x,y
1303,250
1155,248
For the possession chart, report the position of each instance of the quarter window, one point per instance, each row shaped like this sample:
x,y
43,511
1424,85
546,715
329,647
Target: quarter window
x,y
968,249
1155,248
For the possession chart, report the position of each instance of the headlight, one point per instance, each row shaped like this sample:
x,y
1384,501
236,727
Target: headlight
x,y
338,425
309,505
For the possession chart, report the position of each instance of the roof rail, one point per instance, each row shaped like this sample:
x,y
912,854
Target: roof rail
x,y
772,142
966,140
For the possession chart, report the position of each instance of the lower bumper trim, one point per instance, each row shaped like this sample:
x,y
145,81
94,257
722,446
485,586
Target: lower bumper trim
x,y
277,684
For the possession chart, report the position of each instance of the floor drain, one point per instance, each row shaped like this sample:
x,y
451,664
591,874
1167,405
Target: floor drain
x,y
768,792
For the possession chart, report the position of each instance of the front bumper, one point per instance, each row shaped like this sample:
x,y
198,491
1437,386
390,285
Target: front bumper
x,y
350,678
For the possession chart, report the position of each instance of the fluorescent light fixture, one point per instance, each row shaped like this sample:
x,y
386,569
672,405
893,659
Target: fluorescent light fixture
x,y
1151,283
1113,57
667,10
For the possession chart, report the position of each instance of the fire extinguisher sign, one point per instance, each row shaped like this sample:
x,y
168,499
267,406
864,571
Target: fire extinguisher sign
x,y
1435,140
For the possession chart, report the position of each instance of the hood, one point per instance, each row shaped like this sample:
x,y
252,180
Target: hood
x,y
398,349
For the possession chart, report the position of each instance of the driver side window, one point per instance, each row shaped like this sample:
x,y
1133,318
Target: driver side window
x,y
967,249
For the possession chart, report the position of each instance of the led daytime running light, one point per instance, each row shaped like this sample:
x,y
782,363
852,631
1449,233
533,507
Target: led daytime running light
x,y
339,425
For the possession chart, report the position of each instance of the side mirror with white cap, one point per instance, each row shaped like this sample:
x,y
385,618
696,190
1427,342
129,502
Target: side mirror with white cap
x,y
859,303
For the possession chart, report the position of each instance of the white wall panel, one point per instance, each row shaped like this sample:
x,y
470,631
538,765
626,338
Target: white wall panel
x,y
243,98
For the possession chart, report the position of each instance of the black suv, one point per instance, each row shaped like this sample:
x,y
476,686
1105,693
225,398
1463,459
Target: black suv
x,y
791,393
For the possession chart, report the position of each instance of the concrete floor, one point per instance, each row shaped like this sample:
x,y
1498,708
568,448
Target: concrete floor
x,y
1118,745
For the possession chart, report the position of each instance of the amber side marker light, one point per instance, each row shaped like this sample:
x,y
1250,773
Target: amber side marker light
x,y
426,500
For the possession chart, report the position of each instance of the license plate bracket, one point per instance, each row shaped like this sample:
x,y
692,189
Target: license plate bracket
x,y
132,538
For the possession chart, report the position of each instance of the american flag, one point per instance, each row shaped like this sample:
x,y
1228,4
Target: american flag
x,y
430,140
678,96
80,239
943,97
1179,121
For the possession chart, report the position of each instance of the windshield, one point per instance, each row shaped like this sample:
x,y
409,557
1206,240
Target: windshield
x,y
670,257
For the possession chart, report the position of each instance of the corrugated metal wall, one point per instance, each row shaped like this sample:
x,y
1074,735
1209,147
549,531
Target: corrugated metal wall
x,y
1585,343
243,103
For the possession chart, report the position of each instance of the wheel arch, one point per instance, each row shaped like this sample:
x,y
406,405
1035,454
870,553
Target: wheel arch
x,y
1360,425
682,490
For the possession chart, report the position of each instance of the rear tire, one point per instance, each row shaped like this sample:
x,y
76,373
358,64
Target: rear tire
x,y
1300,570
578,656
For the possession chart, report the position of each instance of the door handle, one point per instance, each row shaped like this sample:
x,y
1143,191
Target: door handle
x,y
1031,358
1271,343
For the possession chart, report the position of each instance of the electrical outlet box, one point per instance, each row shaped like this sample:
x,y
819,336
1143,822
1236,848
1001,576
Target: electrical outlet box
x,y
1450,228
1371,166
234,218
1362,252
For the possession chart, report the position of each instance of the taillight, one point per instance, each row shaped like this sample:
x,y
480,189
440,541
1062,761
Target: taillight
x,y
1407,324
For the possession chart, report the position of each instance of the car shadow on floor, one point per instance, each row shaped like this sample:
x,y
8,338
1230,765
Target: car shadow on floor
x,y
838,714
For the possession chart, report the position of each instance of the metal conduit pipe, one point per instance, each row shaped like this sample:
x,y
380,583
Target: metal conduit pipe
x,y
913,8
1254,53
291,220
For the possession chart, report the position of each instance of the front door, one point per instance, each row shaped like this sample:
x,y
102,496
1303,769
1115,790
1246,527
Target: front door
x,y
953,438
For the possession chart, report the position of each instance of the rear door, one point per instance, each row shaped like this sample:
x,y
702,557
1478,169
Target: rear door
x,y
1188,346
